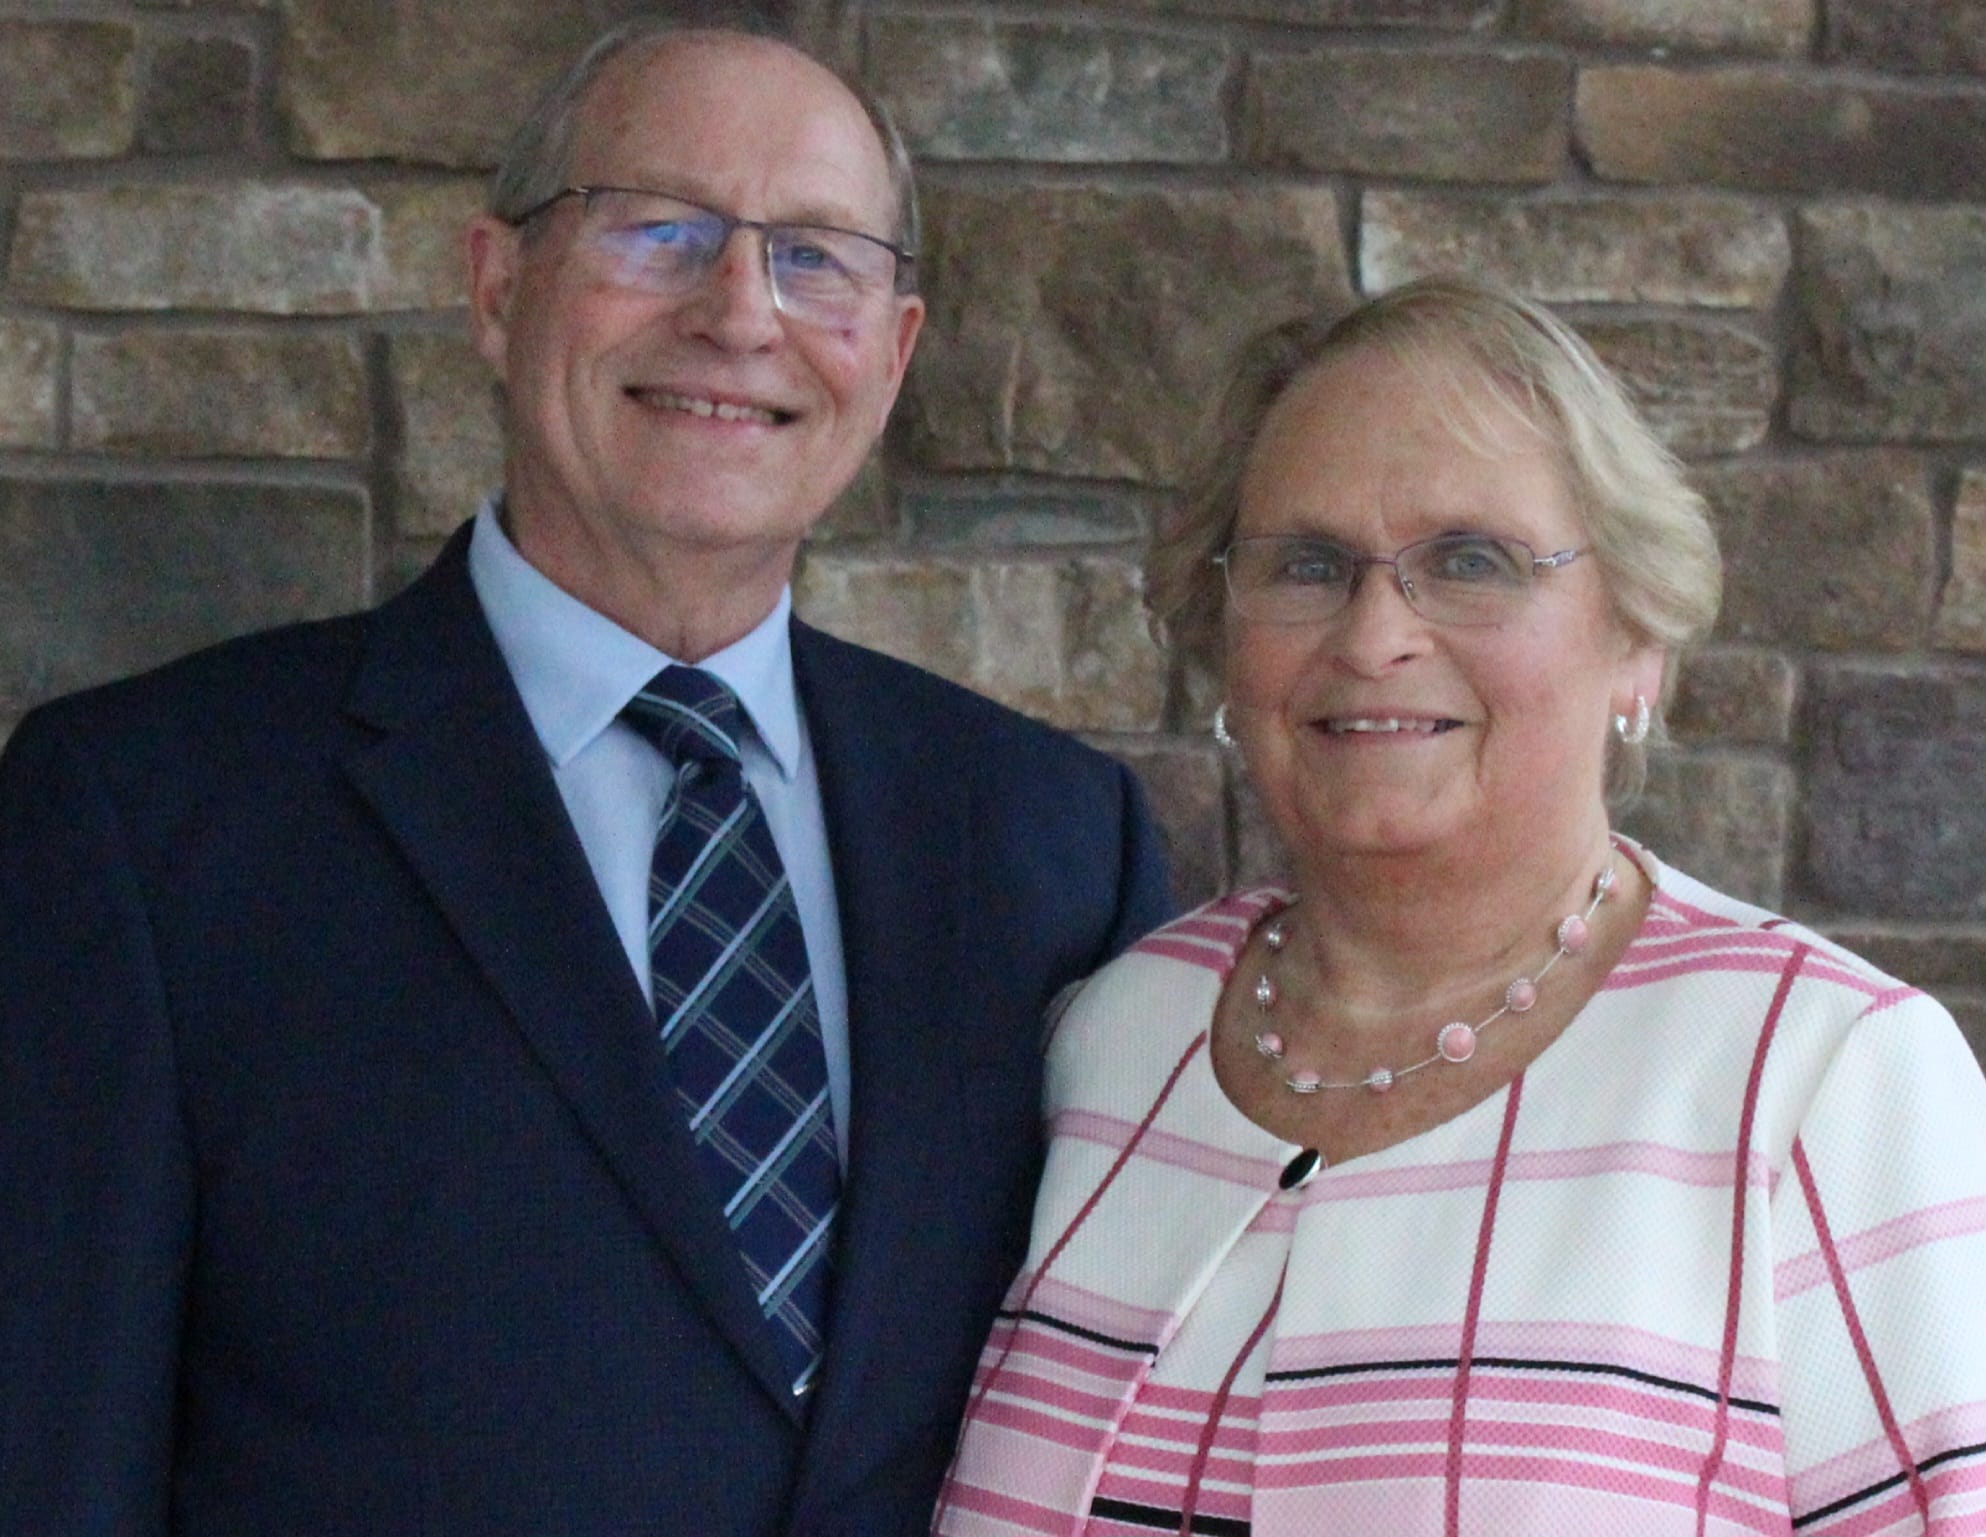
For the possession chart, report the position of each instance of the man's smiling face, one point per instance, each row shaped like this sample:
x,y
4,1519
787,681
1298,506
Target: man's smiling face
x,y
708,423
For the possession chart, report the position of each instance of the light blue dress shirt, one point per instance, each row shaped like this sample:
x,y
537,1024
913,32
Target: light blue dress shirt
x,y
576,669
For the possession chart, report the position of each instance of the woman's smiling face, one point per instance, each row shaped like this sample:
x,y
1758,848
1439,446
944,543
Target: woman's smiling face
x,y
1377,730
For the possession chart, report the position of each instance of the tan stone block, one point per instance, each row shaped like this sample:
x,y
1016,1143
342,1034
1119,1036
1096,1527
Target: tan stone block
x,y
1078,330
1494,117
1060,640
281,248
284,248
231,394
29,350
440,82
1734,697
1836,552
1067,641
1706,387
920,611
1776,129
1722,819
1932,37
65,89
1893,345
1685,248
1187,786
1779,27
1962,606
976,89
450,437
1452,15
422,243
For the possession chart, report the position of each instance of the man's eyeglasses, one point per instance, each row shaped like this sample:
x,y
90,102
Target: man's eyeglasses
x,y
658,243
1457,579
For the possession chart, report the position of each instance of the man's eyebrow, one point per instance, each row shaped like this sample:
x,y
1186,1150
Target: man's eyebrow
x,y
830,216
689,185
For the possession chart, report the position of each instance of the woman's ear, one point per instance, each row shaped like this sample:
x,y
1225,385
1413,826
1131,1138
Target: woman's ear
x,y
1640,676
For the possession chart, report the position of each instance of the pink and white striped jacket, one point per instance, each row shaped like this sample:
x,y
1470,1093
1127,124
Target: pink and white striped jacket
x,y
1716,1263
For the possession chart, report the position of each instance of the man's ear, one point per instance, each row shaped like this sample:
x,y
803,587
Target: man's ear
x,y
495,251
909,321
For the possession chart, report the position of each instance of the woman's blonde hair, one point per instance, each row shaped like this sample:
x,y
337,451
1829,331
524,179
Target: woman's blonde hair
x,y
1649,531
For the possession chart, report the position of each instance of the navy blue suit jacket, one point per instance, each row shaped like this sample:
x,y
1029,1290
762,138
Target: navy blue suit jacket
x,y
341,1187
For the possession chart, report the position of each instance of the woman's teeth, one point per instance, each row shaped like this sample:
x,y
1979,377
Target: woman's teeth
x,y
1384,723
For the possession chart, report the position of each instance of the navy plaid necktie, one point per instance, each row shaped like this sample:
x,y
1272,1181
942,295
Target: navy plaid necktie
x,y
735,1001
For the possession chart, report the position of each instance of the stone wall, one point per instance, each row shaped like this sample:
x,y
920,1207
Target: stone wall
x,y
233,387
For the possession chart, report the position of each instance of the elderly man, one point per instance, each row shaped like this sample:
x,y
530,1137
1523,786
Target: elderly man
x,y
556,1054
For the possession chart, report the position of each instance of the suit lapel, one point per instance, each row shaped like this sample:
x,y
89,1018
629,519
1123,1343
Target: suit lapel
x,y
900,842
460,780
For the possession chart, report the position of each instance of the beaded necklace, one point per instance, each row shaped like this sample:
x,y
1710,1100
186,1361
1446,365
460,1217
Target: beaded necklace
x,y
1454,1043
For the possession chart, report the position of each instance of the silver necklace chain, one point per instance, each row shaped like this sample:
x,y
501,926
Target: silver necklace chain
x,y
1454,1043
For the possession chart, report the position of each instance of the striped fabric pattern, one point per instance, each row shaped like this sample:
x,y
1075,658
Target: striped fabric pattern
x,y
734,1000
1715,1264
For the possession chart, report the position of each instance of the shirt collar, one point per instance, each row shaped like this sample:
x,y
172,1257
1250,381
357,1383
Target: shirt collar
x,y
576,669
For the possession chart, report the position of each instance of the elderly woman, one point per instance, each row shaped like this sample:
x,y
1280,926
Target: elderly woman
x,y
1496,1178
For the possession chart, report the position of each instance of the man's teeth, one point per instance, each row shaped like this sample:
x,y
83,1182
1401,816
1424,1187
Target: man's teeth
x,y
723,410
1382,723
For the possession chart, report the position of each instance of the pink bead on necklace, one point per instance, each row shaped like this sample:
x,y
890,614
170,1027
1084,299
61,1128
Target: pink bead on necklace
x,y
1453,1043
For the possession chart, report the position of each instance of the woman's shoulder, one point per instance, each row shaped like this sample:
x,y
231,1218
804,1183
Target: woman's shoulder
x,y
1163,986
1212,934
1786,989
1724,1022
1692,925
1206,938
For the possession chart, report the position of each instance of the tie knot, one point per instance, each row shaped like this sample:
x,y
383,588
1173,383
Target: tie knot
x,y
688,715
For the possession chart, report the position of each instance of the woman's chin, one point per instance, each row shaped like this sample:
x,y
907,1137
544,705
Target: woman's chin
x,y
1375,827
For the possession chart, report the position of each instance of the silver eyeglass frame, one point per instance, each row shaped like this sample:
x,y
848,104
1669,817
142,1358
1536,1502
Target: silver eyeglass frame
x,y
1361,562
900,276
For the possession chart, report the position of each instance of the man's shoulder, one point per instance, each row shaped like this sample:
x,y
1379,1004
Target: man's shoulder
x,y
269,681
252,719
250,675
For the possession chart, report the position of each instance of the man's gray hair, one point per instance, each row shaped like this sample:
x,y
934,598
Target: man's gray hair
x,y
537,162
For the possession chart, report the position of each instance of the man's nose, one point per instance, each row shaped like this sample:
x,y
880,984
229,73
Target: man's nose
x,y
734,304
